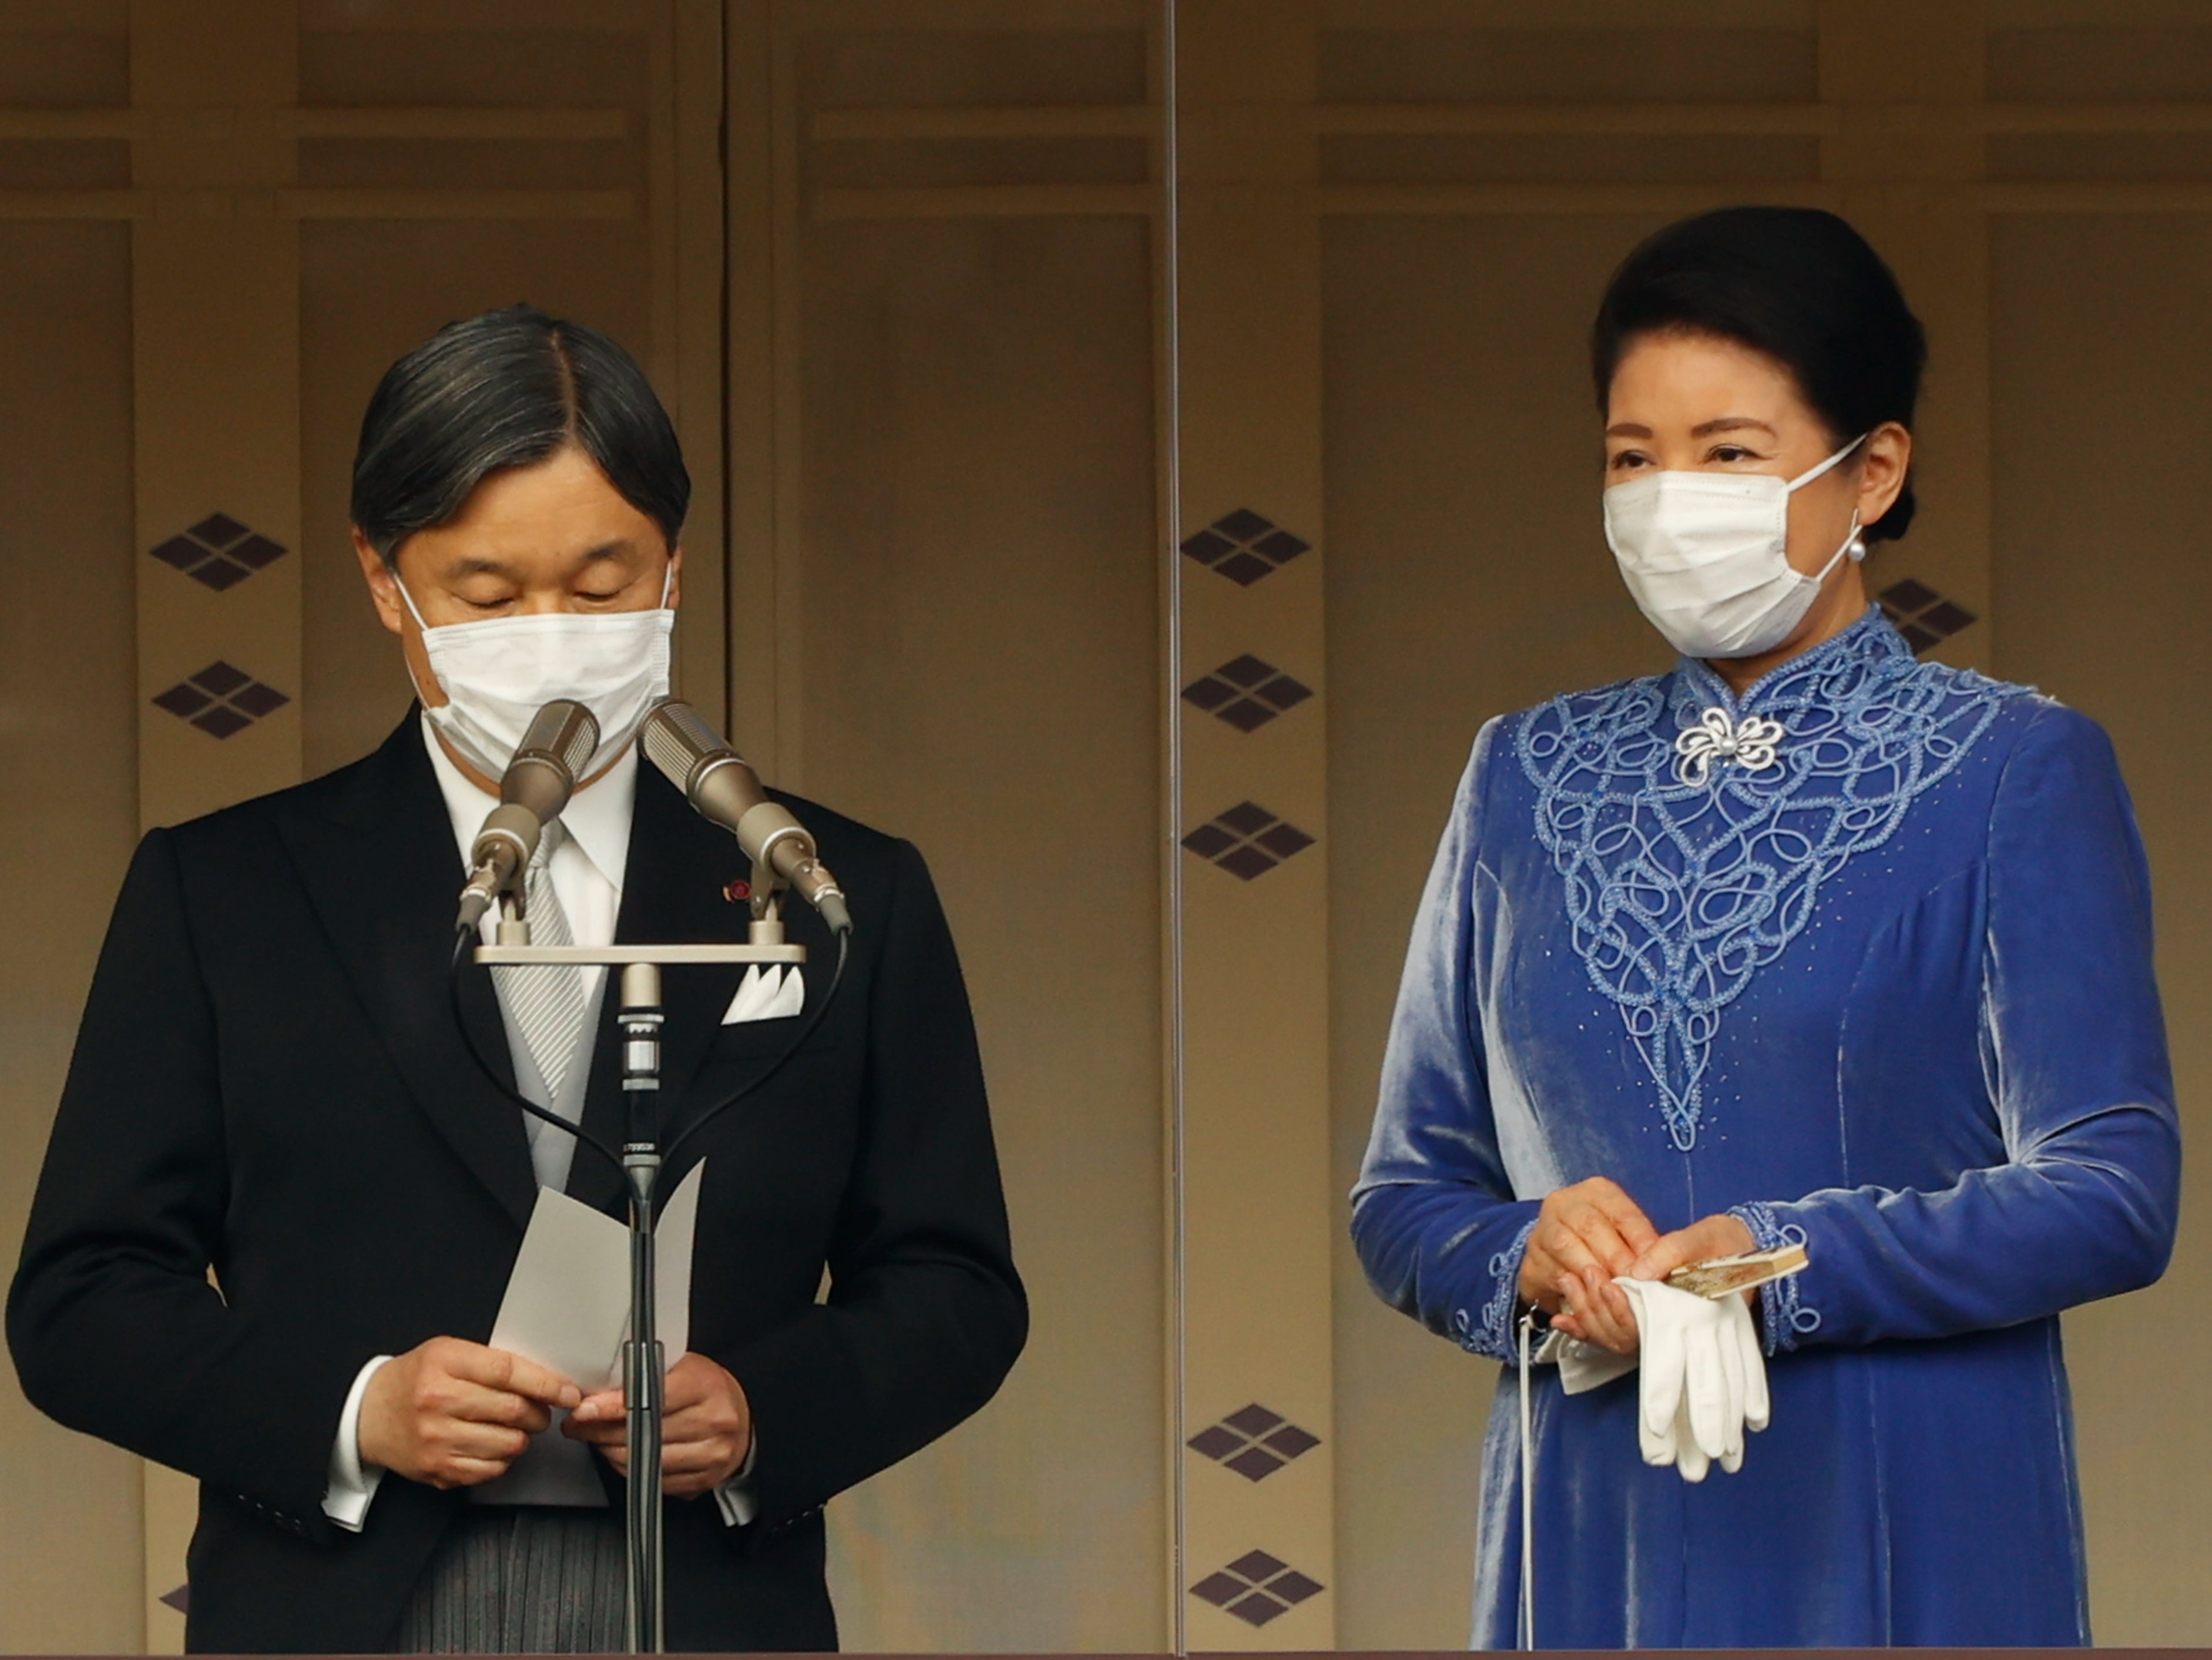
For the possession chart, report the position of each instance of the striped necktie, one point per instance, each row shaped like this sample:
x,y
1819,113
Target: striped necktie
x,y
545,1002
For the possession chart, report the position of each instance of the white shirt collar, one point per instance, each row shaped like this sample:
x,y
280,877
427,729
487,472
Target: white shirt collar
x,y
596,817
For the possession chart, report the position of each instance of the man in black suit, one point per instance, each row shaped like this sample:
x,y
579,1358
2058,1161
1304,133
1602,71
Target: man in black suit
x,y
282,1198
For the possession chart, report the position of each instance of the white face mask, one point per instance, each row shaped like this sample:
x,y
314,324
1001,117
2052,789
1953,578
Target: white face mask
x,y
496,674
1706,556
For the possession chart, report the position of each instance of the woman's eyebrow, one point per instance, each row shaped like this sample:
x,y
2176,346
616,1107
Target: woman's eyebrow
x,y
1627,430
1730,424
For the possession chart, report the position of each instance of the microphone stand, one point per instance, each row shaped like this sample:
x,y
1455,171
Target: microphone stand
x,y
643,1370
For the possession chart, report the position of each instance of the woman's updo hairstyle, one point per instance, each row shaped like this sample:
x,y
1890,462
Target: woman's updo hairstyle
x,y
505,389
1796,283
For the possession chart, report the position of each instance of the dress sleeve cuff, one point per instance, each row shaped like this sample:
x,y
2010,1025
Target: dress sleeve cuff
x,y
735,1498
352,1484
1785,1321
1489,1331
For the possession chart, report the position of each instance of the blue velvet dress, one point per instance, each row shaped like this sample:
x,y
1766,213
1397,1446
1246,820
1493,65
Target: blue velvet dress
x,y
1889,992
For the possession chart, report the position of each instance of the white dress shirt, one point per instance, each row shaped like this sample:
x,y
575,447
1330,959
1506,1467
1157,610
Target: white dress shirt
x,y
586,870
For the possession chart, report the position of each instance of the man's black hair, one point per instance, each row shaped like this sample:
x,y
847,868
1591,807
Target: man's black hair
x,y
506,389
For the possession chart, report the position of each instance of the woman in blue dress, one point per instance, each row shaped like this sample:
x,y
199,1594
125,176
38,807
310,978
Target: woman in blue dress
x,y
1805,940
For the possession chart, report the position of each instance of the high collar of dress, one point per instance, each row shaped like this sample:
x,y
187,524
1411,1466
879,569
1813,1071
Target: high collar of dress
x,y
1871,642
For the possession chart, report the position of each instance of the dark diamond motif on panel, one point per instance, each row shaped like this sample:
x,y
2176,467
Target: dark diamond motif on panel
x,y
1220,1588
223,721
1922,616
221,700
1209,841
1244,546
1254,1463
1248,692
180,1599
1255,1420
1218,1441
219,552
1247,863
184,700
257,551
1254,1442
1247,841
1256,1587
1206,546
1209,693
217,530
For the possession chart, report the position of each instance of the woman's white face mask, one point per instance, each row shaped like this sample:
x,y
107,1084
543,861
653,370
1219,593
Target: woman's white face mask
x,y
496,674
1706,556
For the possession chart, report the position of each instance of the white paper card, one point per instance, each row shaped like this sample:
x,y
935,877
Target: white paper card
x,y
567,1300
566,1306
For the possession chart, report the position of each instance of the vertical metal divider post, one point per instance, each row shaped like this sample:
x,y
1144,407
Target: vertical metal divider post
x,y
1171,521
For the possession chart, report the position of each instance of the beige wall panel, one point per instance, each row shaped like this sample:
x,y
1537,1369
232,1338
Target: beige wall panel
x,y
1876,51
981,676
691,291
1467,576
2103,388
1505,52
217,380
215,377
370,290
1260,1220
69,1579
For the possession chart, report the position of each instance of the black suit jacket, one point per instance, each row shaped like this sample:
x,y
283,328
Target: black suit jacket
x,y
268,1082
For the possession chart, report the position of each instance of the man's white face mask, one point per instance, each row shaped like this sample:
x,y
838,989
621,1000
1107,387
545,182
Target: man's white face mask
x,y
499,672
1706,556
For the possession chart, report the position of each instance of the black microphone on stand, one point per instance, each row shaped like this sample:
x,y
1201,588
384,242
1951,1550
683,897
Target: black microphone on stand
x,y
715,779
536,786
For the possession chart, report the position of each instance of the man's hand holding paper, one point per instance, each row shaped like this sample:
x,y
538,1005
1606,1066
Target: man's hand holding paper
x,y
453,1414
706,1427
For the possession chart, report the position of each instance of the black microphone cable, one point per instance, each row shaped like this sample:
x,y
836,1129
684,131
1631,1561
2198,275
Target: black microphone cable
x,y
463,938
837,979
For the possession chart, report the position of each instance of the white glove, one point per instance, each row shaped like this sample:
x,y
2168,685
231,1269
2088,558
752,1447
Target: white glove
x,y
1703,1380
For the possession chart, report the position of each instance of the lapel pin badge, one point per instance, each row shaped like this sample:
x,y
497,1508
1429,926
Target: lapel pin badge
x,y
738,890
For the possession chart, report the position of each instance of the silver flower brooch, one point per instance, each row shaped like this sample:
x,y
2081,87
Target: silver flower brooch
x,y
1749,744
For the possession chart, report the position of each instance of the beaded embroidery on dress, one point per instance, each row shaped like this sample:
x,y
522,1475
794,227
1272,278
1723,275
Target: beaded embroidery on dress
x,y
1680,891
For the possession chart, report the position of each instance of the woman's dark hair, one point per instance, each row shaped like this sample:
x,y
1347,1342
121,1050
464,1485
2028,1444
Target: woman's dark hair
x,y
506,389
1796,283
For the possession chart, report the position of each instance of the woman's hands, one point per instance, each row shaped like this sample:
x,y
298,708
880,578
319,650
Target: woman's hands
x,y
1586,1235
1715,1236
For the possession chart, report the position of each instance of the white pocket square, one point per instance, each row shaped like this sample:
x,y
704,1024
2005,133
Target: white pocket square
x,y
772,992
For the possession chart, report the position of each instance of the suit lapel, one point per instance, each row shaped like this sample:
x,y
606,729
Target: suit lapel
x,y
382,872
673,881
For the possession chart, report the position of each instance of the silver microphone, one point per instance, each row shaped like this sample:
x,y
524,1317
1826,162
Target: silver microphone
x,y
536,786
725,791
